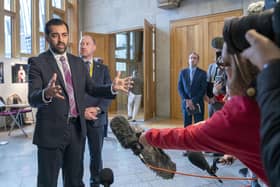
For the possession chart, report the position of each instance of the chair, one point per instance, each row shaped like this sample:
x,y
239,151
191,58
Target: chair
x,y
16,99
20,112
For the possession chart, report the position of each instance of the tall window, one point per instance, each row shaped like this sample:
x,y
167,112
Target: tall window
x,y
23,22
25,27
42,22
8,36
121,45
129,51
7,5
42,15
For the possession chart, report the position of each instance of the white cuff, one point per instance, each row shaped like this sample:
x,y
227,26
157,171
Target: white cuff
x,y
112,90
44,99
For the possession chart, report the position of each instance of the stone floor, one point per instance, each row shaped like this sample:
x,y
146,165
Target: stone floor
x,y
18,166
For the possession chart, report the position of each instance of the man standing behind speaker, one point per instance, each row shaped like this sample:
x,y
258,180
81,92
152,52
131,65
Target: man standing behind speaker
x,y
99,73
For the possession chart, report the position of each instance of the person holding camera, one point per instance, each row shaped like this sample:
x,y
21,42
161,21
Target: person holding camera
x,y
239,116
266,56
216,80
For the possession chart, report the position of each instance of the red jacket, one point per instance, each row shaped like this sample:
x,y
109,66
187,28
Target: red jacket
x,y
232,130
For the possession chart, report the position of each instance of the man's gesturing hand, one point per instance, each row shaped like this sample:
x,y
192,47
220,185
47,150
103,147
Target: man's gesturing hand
x,y
122,84
53,90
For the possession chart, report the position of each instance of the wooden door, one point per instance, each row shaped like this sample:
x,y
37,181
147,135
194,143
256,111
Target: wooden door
x,y
105,47
193,34
149,72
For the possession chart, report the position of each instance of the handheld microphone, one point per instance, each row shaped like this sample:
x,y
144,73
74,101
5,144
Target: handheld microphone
x,y
106,177
198,159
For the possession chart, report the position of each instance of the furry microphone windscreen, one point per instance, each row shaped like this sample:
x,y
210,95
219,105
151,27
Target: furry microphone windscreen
x,y
128,137
106,177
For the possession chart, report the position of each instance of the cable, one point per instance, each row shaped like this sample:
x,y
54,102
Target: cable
x,y
199,176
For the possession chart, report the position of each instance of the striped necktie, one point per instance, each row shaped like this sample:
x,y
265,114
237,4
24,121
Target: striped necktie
x,y
69,87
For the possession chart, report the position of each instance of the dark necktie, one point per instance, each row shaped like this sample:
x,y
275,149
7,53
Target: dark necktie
x,y
69,86
88,65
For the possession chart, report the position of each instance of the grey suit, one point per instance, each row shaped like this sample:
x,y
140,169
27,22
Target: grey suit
x,y
60,140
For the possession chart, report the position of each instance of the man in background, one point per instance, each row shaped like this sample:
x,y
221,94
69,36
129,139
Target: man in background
x,y
192,88
99,73
216,80
134,96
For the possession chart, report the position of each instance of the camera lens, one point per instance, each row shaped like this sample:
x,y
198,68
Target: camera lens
x,y
236,28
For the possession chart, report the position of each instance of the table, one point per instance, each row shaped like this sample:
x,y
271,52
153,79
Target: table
x,y
14,111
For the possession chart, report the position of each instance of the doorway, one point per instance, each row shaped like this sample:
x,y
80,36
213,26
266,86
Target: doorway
x,y
135,50
128,59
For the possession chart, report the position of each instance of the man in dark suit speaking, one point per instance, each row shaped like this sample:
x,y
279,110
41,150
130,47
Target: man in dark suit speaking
x,y
99,73
57,85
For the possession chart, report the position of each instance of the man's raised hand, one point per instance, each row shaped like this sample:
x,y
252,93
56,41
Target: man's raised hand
x,y
122,84
53,90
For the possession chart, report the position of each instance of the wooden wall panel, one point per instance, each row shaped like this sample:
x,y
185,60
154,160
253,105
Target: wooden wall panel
x,y
193,34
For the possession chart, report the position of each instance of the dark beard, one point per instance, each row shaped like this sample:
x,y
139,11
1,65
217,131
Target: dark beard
x,y
55,50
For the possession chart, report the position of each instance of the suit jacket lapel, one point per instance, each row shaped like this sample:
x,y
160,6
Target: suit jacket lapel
x,y
96,71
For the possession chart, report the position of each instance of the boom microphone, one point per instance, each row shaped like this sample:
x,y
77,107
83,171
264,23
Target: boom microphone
x,y
128,137
106,177
198,159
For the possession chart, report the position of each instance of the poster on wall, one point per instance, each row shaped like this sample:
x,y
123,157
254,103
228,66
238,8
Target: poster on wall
x,y
1,72
19,73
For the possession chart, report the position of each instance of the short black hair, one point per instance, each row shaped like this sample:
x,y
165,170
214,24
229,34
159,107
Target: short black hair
x,y
54,21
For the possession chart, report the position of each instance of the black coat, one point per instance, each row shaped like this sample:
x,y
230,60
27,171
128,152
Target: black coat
x,y
268,85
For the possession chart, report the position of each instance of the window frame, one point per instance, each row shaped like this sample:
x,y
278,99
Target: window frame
x,y
68,13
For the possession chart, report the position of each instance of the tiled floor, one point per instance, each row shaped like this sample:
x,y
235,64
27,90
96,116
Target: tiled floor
x,y
18,166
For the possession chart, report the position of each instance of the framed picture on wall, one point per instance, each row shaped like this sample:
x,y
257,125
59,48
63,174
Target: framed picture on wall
x,y
19,73
1,72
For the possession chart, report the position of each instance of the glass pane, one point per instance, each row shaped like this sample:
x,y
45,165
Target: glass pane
x,y
25,27
57,4
42,15
8,36
57,16
120,66
7,4
132,45
42,44
121,40
121,53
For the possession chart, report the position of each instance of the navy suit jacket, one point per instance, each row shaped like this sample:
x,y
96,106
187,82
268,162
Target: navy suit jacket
x,y
100,76
194,91
51,118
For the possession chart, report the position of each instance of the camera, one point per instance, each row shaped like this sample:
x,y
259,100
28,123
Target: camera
x,y
219,79
267,23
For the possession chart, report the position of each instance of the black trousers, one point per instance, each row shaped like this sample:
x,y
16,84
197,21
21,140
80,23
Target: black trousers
x,y
95,136
67,156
